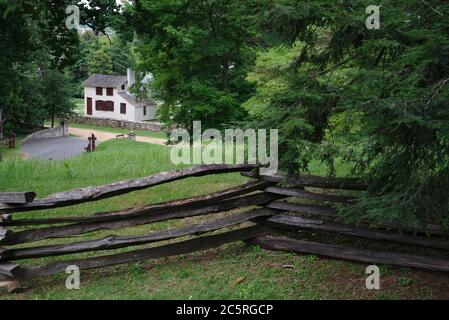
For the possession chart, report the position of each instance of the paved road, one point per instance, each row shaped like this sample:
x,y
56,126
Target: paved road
x,y
68,147
55,149
103,135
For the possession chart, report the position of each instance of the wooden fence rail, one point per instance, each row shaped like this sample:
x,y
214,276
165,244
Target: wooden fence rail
x,y
268,208
88,194
353,254
169,205
313,181
17,197
64,231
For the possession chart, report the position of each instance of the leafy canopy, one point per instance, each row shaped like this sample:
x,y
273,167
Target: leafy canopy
x,y
200,53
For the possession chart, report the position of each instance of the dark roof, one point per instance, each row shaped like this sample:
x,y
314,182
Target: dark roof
x,y
105,80
133,101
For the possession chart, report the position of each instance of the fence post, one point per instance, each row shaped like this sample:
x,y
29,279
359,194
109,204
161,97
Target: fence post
x,y
94,138
89,145
65,127
8,282
11,140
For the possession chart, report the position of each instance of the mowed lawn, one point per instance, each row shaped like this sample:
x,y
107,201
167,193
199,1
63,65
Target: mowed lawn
x,y
234,271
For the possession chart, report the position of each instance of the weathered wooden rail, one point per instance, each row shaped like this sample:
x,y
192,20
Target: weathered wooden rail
x,y
261,211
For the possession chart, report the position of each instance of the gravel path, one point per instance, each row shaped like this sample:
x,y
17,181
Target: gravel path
x,y
103,136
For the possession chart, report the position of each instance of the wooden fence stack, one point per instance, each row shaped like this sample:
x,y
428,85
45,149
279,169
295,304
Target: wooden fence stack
x,y
264,208
323,220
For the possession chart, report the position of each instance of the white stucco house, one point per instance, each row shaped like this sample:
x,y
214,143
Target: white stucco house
x,y
108,96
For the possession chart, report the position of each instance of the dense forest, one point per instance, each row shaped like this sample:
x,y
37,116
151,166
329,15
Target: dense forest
x,y
373,99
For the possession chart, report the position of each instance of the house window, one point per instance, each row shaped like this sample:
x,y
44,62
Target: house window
x,y
99,91
109,91
123,108
99,105
145,110
110,106
104,105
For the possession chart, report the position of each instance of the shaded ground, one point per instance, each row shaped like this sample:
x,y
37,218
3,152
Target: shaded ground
x,y
54,149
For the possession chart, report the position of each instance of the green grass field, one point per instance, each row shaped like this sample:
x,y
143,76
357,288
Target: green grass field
x,y
234,271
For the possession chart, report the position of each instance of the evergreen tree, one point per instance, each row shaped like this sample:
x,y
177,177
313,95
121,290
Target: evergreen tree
x,y
121,53
393,81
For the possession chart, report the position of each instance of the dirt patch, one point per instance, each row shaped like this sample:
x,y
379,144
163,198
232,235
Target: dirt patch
x,y
104,136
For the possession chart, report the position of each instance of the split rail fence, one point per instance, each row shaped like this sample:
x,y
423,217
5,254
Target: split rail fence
x,y
269,214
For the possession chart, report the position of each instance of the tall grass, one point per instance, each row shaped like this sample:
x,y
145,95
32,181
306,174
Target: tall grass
x,y
209,275
114,160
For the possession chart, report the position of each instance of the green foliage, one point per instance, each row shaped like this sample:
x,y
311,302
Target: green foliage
x,y
377,98
32,43
99,62
62,44
44,63
199,53
99,15
98,55
23,100
269,76
373,99
56,90
122,55
89,43
405,281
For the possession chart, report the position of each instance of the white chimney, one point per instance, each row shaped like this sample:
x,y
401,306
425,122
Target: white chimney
x,y
131,77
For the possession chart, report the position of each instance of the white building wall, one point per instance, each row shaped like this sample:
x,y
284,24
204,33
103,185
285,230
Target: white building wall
x,y
151,113
92,93
132,113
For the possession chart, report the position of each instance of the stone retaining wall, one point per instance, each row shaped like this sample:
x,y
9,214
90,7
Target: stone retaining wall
x,y
57,132
113,123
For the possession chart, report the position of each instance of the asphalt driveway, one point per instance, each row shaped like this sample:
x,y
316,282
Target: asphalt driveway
x,y
55,149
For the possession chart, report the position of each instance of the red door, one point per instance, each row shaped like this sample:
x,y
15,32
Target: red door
x,y
89,106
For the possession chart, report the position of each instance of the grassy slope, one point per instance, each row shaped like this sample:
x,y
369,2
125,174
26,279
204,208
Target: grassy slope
x,y
208,275
10,154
